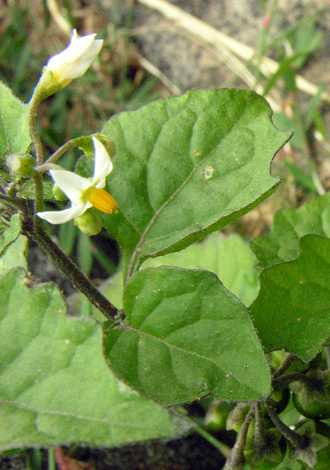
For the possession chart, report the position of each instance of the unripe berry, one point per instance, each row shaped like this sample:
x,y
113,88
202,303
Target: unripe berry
x,y
89,223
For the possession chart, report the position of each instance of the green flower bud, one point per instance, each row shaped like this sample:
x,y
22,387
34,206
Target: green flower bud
x,y
21,164
58,194
89,223
108,143
237,416
217,415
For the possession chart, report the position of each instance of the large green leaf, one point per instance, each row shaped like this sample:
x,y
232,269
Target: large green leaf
x,y
55,386
186,336
14,129
186,166
282,244
292,311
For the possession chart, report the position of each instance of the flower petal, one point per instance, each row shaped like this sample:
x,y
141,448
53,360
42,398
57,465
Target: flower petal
x,y
70,183
102,163
60,217
73,61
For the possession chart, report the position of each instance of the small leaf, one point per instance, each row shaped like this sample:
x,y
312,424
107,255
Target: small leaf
x,y
10,233
27,190
14,128
55,386
186,336
14,255
289,226
186,166
292,311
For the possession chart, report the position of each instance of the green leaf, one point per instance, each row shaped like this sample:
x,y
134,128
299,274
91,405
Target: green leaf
x,y
27,190
186,336
10,233
292,311
289,226
14,129
12,246
187,166
55,386
227,257
14,255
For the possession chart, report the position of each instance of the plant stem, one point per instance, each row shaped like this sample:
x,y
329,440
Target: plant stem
x,y
51,459
69,268
14,203
236,460
259,428
225,450
295,439
327,356
290,358
34,103
293,377
61,151
37,179
38,201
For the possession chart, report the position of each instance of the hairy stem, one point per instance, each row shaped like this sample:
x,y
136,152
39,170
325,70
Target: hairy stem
x,y
290,358
38,201
37,179
61,151
259,428
69,268
34,103
236,460
293,377
295,439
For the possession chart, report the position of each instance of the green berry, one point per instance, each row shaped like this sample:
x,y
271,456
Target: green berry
x,y
89,223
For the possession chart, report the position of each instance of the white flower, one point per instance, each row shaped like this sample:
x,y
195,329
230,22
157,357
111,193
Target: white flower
x,y
83,192
73,61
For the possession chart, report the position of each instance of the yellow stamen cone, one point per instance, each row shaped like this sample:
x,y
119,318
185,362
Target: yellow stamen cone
x,y
102,200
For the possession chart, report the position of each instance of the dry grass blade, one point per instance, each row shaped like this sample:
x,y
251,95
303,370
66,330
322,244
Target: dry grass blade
x,y
62,22
220,40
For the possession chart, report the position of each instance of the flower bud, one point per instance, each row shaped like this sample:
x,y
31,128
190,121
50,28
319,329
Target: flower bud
x,y
69,64
21,164
59,194
89,223
108,143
